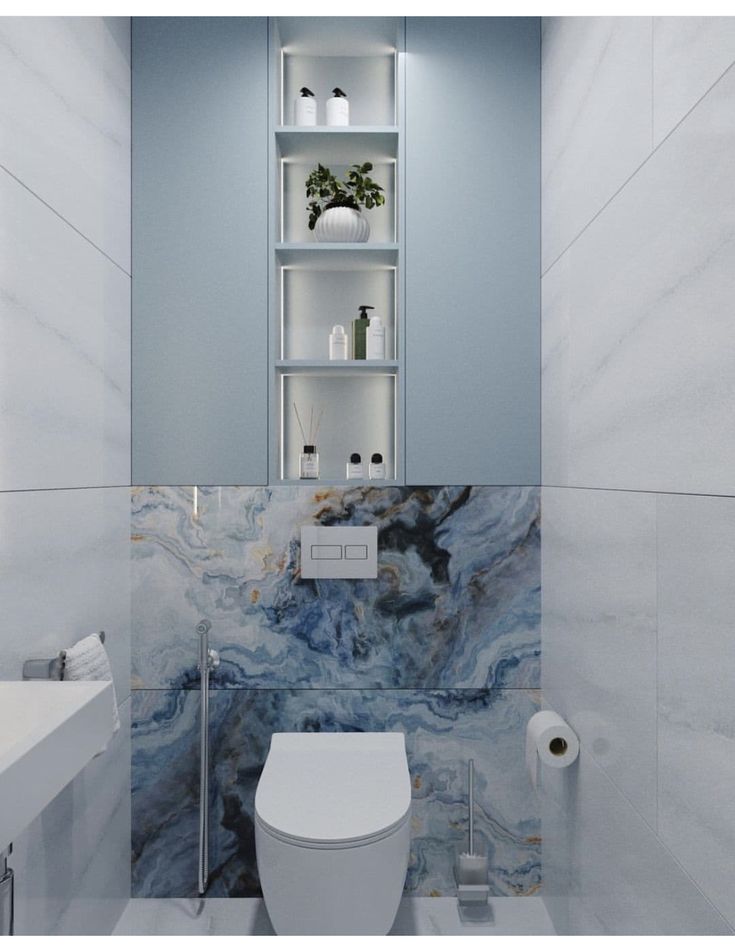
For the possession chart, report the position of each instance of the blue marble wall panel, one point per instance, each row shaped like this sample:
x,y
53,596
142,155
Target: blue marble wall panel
x,y
455,605
443,729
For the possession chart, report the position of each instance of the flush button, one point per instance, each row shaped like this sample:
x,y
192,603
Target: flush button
x,y
326,551
356,552
343,552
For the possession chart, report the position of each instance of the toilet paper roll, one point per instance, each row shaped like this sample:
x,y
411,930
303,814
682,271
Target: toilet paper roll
x,y
550,740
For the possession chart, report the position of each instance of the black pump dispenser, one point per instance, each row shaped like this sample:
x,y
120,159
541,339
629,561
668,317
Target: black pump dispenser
x,y
359,333
305,93
338,94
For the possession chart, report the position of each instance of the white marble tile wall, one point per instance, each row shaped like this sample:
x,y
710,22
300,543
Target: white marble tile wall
x,y
638,605
696,679
637,382
595,118
690,53
65,426
620,878
637,318
65,329
65,573
599,635
65,129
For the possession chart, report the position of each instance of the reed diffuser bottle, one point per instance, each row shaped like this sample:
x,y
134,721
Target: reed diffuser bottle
x,y
309,463
309,457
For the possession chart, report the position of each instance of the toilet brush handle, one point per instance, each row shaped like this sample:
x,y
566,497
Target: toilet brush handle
x,y
471,802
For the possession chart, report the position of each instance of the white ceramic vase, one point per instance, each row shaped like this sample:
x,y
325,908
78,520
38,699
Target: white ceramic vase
x,y
341,225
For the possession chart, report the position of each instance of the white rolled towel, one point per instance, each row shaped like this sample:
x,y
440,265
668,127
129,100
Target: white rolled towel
x,y
88,660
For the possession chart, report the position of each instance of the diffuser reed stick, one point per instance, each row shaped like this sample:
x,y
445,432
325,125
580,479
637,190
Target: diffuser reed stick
x,y
298,419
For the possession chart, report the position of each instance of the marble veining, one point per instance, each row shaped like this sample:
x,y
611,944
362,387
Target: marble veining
x,y
72,864
443,729
596,118
599,630
65,312
417,916
64,573
65,131
456,602
641,391
690,53
618,877
696,722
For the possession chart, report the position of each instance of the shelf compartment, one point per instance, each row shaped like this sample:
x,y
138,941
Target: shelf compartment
x,y
325,143
339,36
338,366
294,217
313,300
369,82
311,255
339,482
359,415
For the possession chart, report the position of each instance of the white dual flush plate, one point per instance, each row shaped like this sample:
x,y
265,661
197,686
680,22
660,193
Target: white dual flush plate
x,y
340,553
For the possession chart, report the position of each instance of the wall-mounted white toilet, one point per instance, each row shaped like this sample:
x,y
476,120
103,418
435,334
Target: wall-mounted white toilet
x,y
332,832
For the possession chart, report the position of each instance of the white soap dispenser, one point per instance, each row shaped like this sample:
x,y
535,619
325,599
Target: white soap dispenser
x,y
305,108
338,108
375,345
338,342
376,468
354,467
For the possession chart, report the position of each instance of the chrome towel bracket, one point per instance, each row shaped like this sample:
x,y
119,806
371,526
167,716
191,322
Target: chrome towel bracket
x,y
49,668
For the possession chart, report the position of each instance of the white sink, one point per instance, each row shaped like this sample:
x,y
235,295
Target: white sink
x,y
48,732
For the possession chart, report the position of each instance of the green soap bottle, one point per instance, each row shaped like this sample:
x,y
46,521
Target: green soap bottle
x,y
359,333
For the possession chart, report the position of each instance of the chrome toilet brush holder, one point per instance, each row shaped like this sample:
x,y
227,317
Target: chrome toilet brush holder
x,y
470,868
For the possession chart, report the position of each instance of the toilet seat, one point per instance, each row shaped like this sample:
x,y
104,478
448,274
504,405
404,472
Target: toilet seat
x,y
334,790
331,845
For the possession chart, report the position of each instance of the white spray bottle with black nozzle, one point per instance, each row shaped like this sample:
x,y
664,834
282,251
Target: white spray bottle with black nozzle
x,y
338,108
305,108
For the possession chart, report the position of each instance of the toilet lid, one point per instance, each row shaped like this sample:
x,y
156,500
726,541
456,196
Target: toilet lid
x,y
334,787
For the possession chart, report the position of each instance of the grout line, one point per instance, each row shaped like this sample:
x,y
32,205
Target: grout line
x,y
635,172
683,494
341,688
62,218
653,77
347,485
540,251
71,487
674,859
130,419
657,677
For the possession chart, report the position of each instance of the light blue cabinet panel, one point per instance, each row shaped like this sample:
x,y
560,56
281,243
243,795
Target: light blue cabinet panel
x,y
472,250
200,257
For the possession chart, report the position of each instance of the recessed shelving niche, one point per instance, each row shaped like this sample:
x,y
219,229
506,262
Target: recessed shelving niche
x,y
357,408
358,54
313,285
299,151
313,300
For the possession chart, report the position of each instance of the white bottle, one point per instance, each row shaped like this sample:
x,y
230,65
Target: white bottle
x,y
375,339
354,467
376,468
304,108
338,342
338,108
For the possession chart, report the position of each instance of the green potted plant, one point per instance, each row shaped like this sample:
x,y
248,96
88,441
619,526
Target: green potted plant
x,y
334,208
